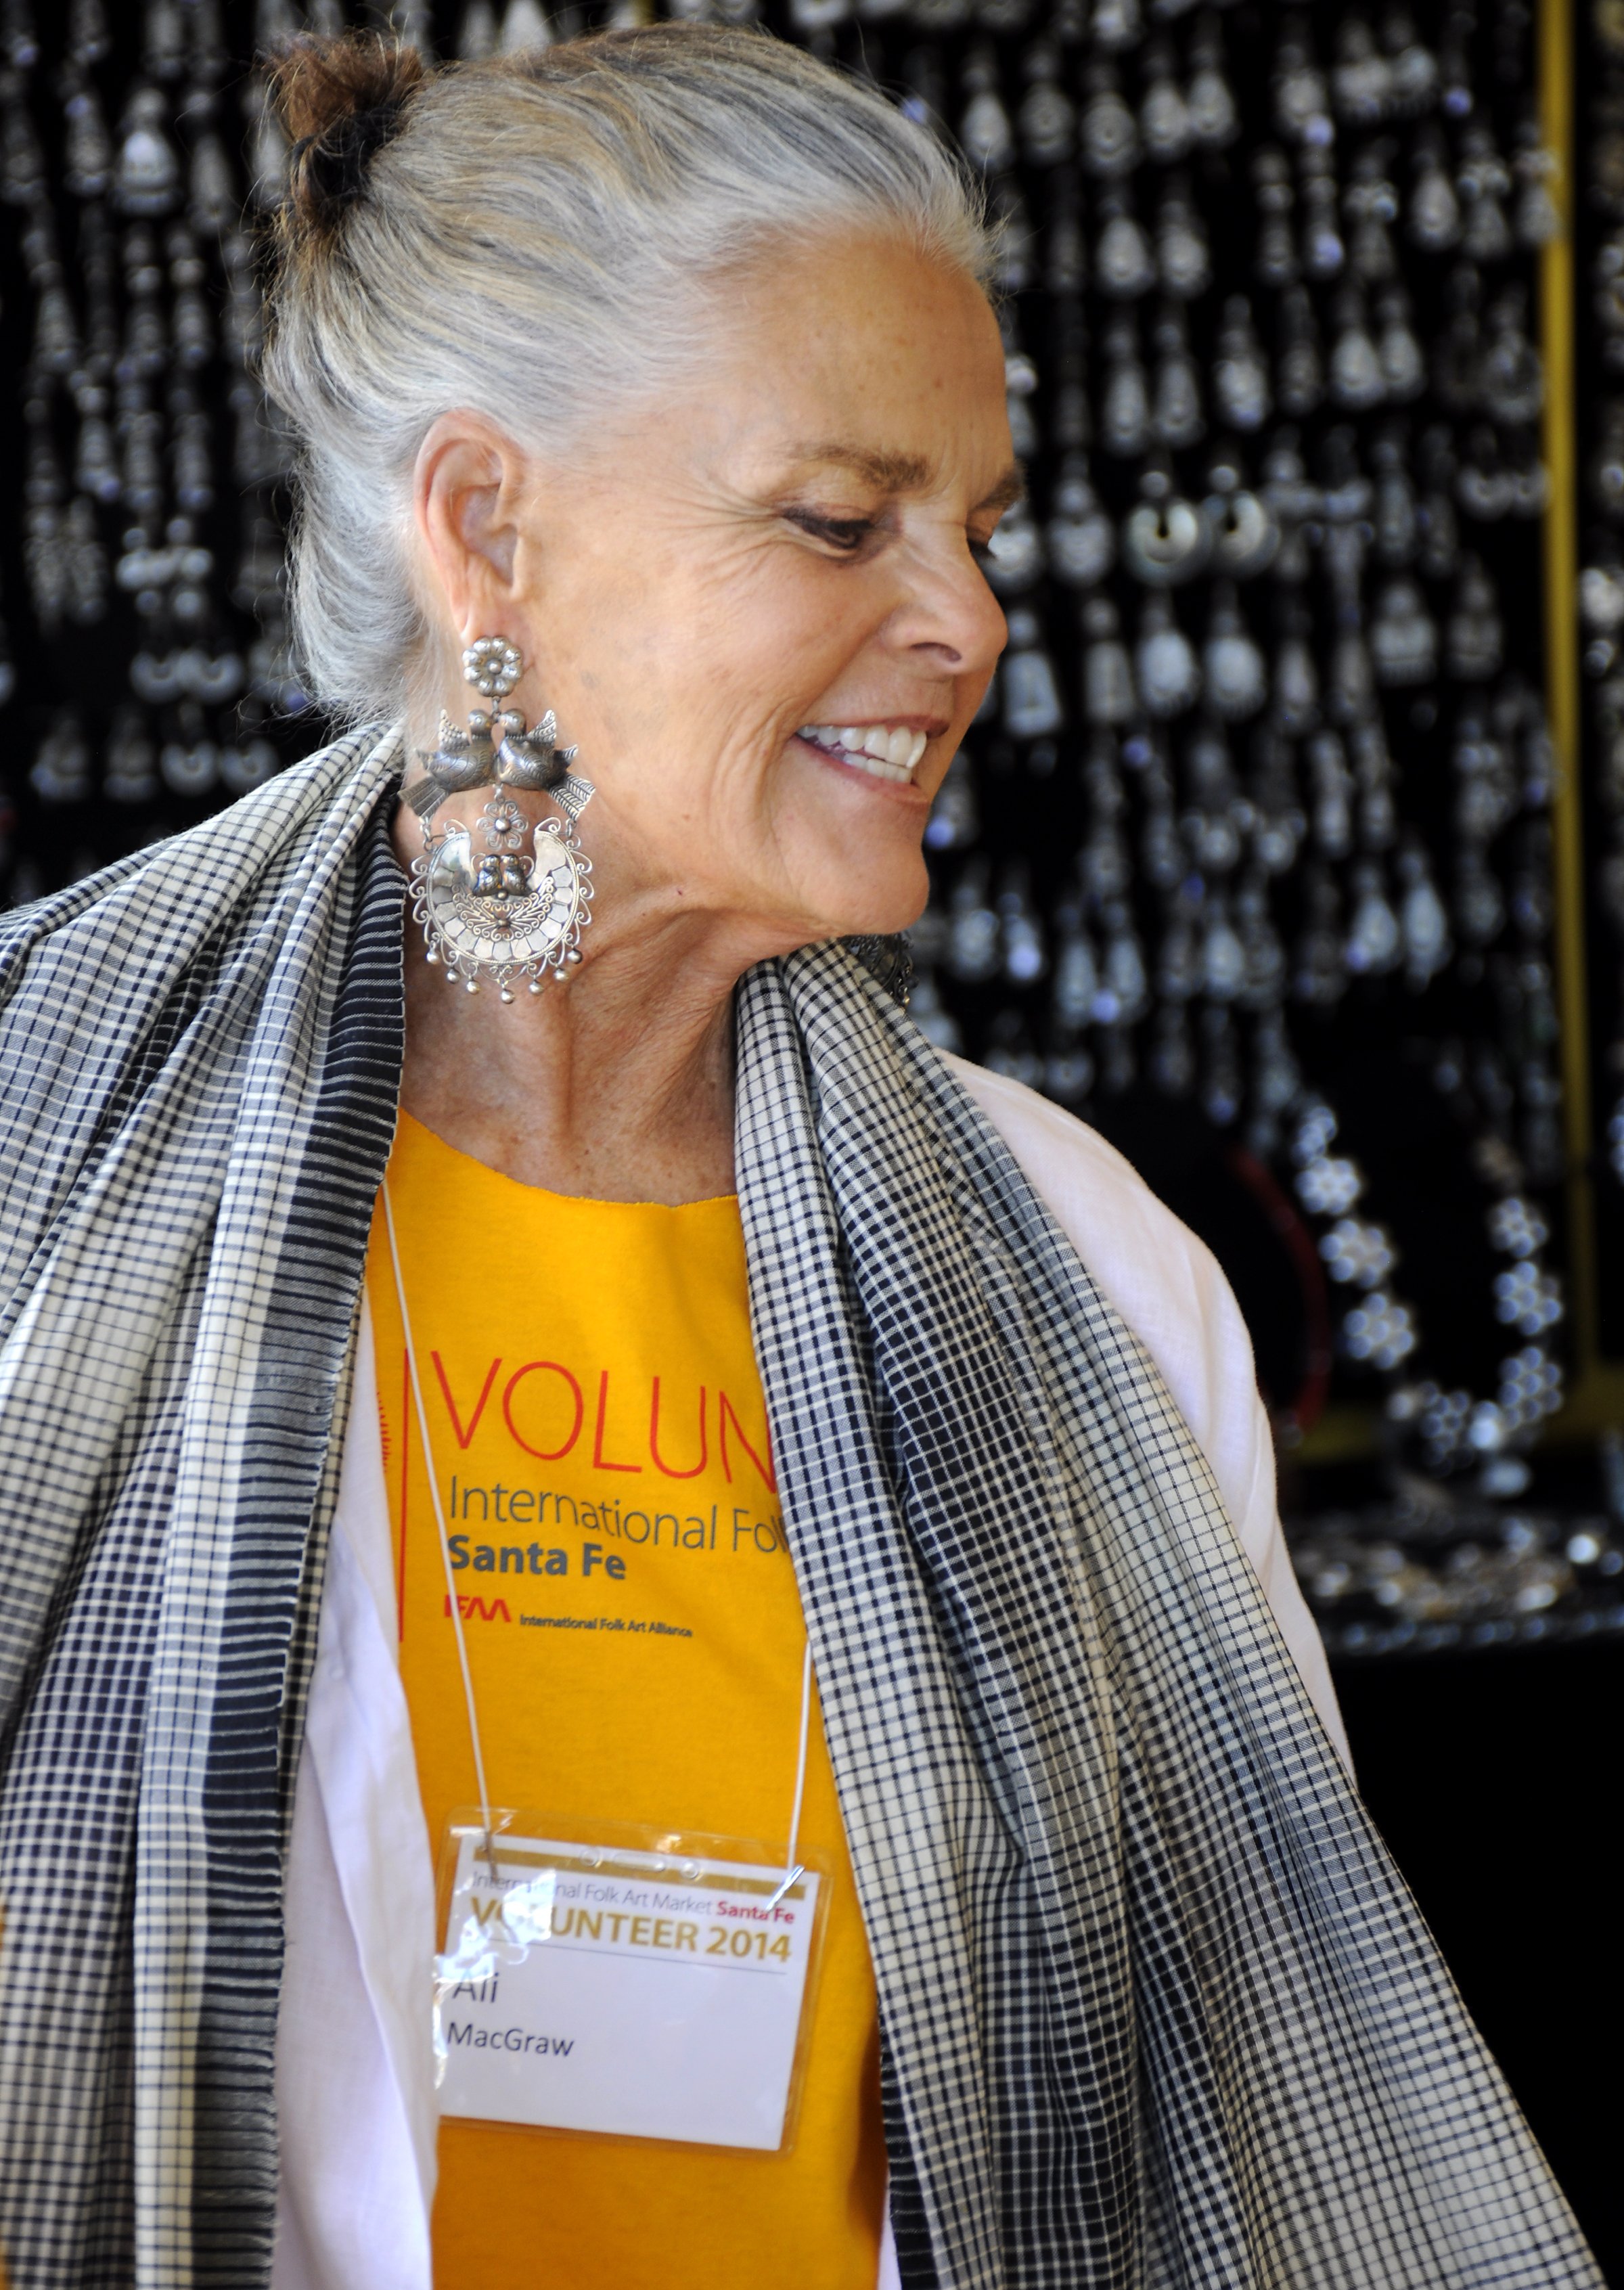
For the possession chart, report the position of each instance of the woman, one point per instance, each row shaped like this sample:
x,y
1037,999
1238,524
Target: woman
x,y
492,1481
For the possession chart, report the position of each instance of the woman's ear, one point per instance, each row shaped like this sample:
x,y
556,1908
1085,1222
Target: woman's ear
x,y
468,488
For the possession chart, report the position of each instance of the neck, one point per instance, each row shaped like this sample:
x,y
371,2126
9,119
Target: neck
x,y
617,1084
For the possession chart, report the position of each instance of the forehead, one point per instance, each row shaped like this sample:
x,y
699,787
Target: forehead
x,y
863,350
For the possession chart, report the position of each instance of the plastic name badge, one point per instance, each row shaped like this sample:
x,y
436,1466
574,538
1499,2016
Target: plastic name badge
x,y
633,1983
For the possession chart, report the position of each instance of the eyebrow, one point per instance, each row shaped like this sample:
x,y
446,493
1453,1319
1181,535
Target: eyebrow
x,y
902,473
894,473
1010,487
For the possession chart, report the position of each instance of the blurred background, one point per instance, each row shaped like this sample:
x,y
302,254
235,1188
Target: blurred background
x,y
1289,847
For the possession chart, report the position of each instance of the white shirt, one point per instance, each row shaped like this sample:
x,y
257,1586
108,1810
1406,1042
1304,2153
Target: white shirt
x,y
355,2068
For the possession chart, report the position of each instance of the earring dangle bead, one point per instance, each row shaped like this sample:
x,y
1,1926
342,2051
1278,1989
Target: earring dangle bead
x,y
499,909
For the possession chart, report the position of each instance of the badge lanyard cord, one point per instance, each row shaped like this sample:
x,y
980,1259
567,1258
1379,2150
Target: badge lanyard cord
x,y
792,1866
451,1600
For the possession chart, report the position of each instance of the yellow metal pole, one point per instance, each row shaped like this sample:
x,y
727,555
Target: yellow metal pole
x,y
1562,680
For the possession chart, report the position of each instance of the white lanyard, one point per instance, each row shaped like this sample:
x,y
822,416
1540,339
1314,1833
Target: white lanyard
x,y
793,1869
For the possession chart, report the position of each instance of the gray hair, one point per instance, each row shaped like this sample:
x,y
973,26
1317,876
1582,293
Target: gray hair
x,y
539,238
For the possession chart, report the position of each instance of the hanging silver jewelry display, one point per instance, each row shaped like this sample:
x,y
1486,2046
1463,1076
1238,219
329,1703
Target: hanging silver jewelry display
x,y
498,910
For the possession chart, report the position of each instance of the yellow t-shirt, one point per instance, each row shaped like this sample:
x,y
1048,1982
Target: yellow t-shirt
x,y
597,1425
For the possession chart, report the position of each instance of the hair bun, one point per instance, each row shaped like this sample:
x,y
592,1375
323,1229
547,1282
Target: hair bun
x,y
341,98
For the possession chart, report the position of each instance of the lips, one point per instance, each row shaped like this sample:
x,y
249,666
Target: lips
x,y
885,751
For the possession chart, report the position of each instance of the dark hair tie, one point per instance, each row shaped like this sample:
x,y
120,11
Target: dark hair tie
x,y
340,98
331,168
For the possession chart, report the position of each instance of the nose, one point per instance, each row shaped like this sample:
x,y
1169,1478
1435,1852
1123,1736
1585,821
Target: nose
x,y
949,615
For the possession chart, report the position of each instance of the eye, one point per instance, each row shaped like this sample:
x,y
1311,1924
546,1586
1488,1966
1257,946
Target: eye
x,y
846,533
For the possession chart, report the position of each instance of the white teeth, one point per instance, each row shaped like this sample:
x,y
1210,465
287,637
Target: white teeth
x,y
884,752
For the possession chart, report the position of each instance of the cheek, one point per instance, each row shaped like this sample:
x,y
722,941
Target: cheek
x,y
778,643
731,650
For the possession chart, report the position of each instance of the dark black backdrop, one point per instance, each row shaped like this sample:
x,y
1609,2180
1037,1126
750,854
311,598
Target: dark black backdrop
x,y
1494,1779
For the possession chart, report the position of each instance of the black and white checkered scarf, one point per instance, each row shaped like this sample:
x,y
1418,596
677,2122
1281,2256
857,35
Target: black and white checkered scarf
x,y
1156,2009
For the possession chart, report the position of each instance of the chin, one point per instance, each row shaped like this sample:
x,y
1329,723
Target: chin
x,y
892,899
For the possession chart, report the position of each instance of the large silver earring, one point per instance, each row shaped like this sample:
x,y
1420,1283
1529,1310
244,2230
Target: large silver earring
x,y
497,909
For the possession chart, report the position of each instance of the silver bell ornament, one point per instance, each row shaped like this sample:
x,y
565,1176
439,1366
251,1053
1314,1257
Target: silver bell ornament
x,y
1274,261
1176,419
1032,707
1081,538
1474,637
1403,366
1165,121
1299,368
1181,253
1124,266
1404,639
1108,135
1240,371
1124,405
1165,667
1109,696
1355,376
1047,120
1432,218
1294,685
1234,676
1214,120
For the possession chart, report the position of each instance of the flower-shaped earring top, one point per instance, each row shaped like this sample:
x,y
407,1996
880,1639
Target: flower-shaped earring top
x,y
492,666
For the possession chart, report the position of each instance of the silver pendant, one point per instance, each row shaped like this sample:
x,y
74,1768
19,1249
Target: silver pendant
x,y
1047,118
1124,268
1235,676
1166,671
1301,371
1081,538
1176,417
1404,639
1240,374
1124,411
1434,217
1109,696
1108,134
1214,121
500,910
1031,696
1182,251
1166,540
1245,534
1164,120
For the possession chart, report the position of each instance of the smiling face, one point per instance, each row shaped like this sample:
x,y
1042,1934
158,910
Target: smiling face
x,y
758,609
